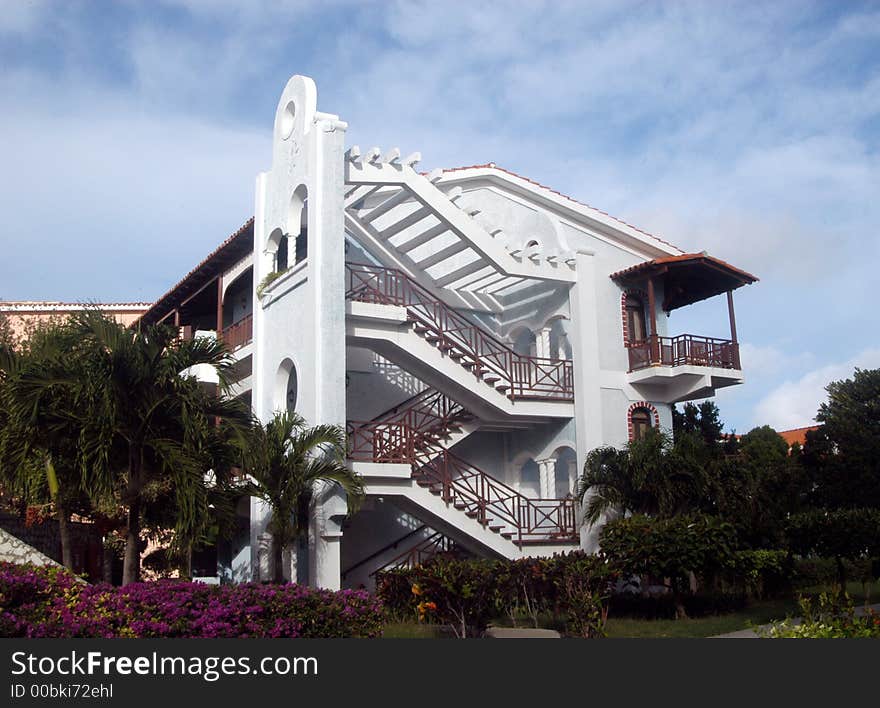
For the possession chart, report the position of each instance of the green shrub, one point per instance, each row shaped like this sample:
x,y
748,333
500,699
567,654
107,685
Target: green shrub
x,y
653,607
466,594
670,548
760,573
813,571
827,616
844,534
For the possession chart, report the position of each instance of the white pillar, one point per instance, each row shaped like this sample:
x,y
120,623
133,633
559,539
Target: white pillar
x,y
547,477
542,343
264,558
328,561
584,336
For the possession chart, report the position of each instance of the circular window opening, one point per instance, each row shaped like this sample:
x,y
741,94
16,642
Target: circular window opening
x,y
287,118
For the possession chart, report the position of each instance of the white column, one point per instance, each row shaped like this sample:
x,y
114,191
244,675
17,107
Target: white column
x,y
264,558
547,478
328,557
584,337
542,342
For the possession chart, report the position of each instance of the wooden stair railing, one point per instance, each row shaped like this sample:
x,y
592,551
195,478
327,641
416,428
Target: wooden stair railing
x,y
488,358
421,551
413,436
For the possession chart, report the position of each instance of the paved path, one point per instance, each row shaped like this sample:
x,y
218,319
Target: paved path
x,y
752,634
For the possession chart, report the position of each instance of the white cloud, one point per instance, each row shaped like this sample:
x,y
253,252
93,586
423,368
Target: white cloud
x,y
793,404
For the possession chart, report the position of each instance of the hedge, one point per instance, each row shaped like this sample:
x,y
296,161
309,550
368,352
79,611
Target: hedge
x,y
466,594
49,602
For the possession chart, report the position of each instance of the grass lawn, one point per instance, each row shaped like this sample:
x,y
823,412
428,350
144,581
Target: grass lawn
x,y
757,613
411,630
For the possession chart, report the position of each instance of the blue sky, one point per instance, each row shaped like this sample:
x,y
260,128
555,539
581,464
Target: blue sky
x,y
132,133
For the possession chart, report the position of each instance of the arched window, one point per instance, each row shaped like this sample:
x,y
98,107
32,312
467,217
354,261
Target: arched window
x,y
565,472
281,255
292,387
297,223
642,421
286,387
635,319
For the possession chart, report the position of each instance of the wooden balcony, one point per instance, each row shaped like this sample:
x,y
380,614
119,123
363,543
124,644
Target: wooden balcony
x,y
239,333
684,350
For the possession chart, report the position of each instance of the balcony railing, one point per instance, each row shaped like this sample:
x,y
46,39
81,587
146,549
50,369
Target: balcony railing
x,y
461,339
239,333
685,349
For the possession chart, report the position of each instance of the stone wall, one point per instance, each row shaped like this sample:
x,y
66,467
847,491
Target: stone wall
x,y
14,550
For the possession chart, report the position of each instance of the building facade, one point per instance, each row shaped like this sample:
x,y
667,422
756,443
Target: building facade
x,y
24,316
476,333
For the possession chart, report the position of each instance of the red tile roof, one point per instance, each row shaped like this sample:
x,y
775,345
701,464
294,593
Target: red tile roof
x,y
797,435
659,263
232,250
46,305
493,166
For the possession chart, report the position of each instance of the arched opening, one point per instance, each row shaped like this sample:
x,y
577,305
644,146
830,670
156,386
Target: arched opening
x,y
635,319
298,223
565,472
524,341
641,421
291,391
276,250
238,298
281,257
286,387
530,479
560,346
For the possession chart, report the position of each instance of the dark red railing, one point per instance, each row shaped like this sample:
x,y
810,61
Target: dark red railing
x,y
239,333
684,349
462,339
410,435
491,502
394,435
423,550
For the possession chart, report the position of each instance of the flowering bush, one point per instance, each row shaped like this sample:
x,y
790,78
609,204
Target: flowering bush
x,y
40,602
466,594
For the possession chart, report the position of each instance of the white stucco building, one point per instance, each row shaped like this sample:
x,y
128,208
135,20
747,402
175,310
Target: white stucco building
x,y
477,333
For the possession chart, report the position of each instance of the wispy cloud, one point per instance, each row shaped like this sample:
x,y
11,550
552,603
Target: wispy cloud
x,y
748,129
794,404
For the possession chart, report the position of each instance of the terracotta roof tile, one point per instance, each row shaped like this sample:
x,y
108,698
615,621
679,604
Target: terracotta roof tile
x,y
797,435
235,246
683,258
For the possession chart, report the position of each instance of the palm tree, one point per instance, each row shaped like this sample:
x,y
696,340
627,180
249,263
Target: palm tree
x,y
142,423
287,461
38,436
649,476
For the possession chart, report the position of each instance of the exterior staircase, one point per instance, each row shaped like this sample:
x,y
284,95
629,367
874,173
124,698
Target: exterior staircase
x,y
407,458
423,550
413,221
395,316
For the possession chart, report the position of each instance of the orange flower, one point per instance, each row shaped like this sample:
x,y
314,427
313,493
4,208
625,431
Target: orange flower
x,y
416,590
